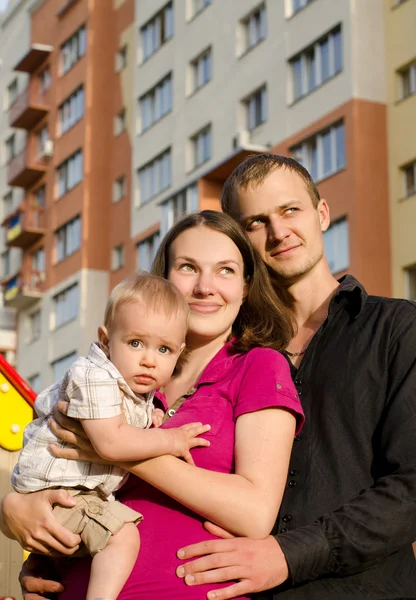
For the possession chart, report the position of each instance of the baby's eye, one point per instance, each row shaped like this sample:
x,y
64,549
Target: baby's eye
x,y
164,350
135,343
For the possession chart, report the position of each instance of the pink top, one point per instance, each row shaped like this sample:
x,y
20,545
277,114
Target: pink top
x,y
231,385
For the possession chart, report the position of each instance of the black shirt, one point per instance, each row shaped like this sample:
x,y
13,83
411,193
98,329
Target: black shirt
x,y
348,515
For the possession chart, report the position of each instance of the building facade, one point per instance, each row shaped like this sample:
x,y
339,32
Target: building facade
x,y
72,178
400,24
217,81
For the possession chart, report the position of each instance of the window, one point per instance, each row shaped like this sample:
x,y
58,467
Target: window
x,y
34,326
73,49
5,263
409,179
201,70
71,110
316,64
336,245
117,257
411,283
42,137
61,365
256,108
120,122
156,103
324,153
45,80
201,146
38,261
10,148
119,188
407,81
39,196
7,203
183,203
146,251
254,28
121,59
70,173
197,5
66,305
157,31
297,5
34,382
68,239
12,92
155,176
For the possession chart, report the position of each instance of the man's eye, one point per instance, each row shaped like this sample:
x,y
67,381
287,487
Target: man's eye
x,y
254,224
164,350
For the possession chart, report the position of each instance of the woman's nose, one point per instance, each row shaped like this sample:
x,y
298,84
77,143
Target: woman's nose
x,y
204,285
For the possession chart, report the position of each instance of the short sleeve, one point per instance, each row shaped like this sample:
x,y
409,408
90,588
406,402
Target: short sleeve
x,y
266,383
92,393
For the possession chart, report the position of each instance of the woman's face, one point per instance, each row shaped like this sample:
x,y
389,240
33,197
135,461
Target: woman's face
x,y
207,267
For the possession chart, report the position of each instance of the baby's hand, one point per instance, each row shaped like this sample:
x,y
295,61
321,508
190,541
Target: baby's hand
x,y
186,437
157,417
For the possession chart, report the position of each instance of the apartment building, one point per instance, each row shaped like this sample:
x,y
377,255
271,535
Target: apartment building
x,y
217,81
400,23
69,177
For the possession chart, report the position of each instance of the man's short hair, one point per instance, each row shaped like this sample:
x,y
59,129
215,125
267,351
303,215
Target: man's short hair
x,y
156,294
253,171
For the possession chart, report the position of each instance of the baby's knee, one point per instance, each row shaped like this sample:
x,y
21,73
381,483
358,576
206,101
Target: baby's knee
x,y
128,536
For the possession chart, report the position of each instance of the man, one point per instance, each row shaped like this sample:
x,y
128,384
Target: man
x,y
348,515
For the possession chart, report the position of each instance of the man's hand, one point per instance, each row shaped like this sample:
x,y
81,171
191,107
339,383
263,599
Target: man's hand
x,y
256,565
34,578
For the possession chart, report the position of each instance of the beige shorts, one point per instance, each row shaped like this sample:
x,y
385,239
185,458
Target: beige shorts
x,y
94,518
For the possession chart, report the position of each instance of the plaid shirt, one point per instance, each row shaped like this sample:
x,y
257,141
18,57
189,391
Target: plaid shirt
x,y
95,390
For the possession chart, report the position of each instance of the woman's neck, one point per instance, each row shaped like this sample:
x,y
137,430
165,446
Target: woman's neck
x,y
199,353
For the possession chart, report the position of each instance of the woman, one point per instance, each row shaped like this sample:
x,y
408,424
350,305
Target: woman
x,y
234,380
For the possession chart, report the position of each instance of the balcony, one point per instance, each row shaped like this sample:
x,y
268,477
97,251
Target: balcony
x,y
34,58
22,290
23,172
25,226
25,113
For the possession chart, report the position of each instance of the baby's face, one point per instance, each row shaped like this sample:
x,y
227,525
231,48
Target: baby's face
x,y
145,346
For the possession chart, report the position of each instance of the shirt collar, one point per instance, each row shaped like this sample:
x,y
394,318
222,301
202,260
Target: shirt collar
x,y
353,292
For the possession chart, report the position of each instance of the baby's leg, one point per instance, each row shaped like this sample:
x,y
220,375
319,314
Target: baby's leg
x,y
111,567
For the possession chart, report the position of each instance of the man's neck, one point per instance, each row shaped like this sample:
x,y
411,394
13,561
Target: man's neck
x,y
308,298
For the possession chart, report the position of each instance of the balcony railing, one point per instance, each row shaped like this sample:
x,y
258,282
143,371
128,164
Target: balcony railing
x,y
22,172
23,289
25,112
25,226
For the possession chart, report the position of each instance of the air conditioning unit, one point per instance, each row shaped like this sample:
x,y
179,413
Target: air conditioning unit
x,y
47,149
241,139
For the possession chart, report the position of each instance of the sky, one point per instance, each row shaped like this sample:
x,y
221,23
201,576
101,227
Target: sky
x,y
3,4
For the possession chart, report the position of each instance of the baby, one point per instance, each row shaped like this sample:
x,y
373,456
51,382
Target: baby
x,y
111,392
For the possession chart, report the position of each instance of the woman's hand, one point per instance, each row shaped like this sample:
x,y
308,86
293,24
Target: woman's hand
x,y
28,518
71,431
38,577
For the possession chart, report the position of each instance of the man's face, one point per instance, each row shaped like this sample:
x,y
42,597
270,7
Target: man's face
x,y
283,225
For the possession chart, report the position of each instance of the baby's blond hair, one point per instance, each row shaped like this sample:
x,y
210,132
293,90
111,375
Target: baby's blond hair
x,y
156,293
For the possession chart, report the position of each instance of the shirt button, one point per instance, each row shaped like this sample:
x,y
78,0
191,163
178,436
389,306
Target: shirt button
x,y
292,483
286,518
297,438
171,412
298,382
279,386
293,472
284,530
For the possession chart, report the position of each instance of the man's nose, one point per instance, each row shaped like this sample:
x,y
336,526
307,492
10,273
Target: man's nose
x,y
277,230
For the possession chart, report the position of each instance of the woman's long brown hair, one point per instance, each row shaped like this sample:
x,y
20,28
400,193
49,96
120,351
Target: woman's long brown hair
x,y
263,320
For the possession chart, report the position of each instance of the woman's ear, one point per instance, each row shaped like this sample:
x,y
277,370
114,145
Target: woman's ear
x,y
245,287
104,340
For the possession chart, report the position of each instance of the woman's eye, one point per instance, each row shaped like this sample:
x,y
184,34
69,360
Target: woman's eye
x,y
227,271
135,343
187,268
164,350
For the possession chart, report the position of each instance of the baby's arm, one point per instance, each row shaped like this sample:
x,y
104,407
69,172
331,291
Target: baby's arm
x,y
115,440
